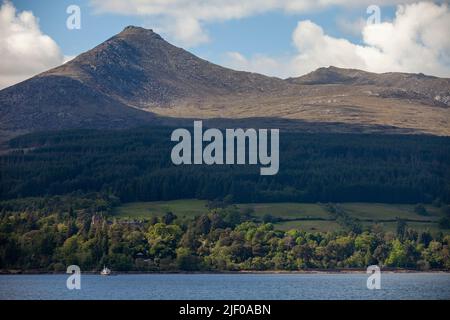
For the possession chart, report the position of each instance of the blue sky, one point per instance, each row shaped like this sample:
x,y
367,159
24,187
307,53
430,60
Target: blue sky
x,y
269,33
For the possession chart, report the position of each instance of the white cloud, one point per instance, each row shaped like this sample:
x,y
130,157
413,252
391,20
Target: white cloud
x,y
415,41
24,49
183,20
317,49
258,63
185,31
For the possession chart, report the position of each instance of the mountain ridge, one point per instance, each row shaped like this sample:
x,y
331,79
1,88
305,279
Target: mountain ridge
x,y
430,87
150,66
136,77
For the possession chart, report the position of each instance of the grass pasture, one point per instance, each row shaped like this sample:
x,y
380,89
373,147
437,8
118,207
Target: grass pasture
x,y
303,216
287,210
144,210
382,211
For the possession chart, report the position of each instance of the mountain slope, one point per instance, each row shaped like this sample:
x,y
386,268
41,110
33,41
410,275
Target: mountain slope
x,y
106,86
428,89
139,68
136,77
58,102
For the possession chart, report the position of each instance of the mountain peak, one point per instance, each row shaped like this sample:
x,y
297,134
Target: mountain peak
x,y
334,75
134,31
131,27
138,68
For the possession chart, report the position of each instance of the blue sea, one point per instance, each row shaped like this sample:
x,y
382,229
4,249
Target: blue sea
x,y
394,286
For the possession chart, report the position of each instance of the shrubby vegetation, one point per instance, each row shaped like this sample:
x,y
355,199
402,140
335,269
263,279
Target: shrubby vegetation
x,y
53,232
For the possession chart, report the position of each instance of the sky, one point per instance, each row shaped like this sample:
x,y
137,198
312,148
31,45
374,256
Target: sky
x,y
283,38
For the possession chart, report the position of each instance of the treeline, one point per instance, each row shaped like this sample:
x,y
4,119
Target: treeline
x,y
135,165
49,234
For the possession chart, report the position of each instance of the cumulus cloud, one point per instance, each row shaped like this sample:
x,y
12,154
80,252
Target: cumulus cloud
x,y
415,41
183,20
258,63
24,49
185,31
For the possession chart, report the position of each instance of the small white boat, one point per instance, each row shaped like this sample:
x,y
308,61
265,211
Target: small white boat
x,y
105,271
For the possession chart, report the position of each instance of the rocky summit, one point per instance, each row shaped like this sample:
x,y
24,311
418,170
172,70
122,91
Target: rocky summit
x,y
136,77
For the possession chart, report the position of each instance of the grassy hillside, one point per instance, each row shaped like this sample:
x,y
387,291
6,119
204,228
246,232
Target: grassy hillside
x,y
142,210
192,207
381,211
303,216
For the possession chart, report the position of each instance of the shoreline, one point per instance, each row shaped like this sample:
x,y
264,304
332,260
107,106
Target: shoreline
x,y
310,271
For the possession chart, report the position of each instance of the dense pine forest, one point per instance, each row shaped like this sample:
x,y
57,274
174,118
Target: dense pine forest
x,y
135,165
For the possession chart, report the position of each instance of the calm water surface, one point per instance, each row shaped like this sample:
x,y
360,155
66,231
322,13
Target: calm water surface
x,y
227,286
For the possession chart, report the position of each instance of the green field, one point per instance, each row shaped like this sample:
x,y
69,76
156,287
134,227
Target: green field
x,y
192,207
310,216
381,211
418,226
144,210
288,210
